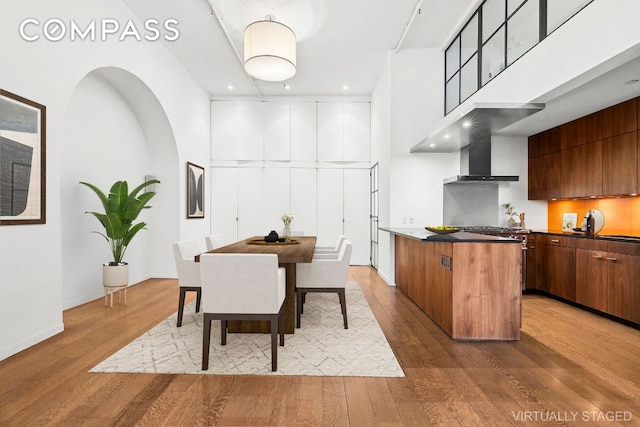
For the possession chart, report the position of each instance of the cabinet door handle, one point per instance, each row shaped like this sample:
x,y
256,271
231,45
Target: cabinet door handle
x,y
612,259
597,256
555,241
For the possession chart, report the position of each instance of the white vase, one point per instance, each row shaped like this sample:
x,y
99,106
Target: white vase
x,y
511,222
115,275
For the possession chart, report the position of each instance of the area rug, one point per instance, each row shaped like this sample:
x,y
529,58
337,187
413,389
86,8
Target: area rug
x,y
321,347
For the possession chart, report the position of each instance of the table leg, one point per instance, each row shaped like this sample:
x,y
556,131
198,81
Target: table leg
x,y
290,298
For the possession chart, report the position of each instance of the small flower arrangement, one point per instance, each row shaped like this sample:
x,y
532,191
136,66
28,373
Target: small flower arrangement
x,y
286,219
510,210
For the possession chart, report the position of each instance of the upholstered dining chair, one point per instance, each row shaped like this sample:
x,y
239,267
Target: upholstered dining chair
x,y
324,275
322,250
242,287
188,271
214,241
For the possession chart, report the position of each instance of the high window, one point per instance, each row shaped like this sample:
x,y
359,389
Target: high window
x,y
497,34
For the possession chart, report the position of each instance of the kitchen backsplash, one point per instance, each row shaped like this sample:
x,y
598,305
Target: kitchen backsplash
x,y
621,215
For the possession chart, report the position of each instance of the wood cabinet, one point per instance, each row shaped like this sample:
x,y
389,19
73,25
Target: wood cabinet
x,y
556,265
581,131
531,279
595,155
596,273
544,177
591,274
607,274
621,118
546,142
581,170
620,164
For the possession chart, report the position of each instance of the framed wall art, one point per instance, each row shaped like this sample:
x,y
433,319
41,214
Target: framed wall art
x,y
22,160
195,191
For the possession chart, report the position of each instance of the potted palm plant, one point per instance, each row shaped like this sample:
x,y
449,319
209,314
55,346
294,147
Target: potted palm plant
x,y
121,209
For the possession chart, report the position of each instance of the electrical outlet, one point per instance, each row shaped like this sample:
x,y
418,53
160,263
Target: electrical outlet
x,y
404,219
410,220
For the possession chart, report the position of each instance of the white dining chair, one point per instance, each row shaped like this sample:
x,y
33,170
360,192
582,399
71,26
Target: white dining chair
x,y
188,271
242,287
330,249
324,275
214,241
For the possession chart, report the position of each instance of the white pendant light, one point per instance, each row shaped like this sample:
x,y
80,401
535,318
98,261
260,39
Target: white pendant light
x,y
269,50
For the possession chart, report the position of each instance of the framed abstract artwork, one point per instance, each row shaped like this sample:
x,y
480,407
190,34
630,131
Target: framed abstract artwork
x,y
22,160
195,191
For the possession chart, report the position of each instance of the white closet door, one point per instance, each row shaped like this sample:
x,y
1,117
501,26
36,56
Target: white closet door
x,y
249,130
224,203
304,201
356,213
276,198
357,131
330,208
250,208
224,134
277,130
303,131
330,131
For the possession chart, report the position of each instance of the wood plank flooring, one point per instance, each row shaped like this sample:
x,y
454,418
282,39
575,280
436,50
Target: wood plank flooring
x,y
570,367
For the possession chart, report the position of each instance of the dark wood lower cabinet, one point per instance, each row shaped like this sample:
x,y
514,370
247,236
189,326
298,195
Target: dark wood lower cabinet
x,y
556,266
624,288
592,287
596,273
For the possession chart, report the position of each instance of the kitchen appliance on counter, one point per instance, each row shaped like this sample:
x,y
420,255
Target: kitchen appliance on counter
x,y
593,222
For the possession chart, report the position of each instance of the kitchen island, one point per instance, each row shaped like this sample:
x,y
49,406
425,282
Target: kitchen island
x,y
469,284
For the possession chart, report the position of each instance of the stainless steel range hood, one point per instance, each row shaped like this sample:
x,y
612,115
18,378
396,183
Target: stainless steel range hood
x,y
475,166
470,132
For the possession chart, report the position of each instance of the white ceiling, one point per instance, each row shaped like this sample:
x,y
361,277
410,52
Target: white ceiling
x,y
339,42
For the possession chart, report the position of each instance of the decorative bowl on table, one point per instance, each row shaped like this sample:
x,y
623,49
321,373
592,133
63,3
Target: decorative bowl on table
x,y
443,229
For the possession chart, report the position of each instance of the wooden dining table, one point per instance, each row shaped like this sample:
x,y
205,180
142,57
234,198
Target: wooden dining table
x,y
299,249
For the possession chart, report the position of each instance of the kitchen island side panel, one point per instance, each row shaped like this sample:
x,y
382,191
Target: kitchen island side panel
x,y
487,291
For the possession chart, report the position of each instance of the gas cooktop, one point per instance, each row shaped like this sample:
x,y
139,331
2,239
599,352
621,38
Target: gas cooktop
x,y
491,229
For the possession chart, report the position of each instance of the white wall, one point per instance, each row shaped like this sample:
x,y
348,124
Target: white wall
x,y
407,104
509,157
49,73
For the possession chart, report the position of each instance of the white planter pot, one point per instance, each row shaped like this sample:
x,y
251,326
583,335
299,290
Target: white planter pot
x,y
115,275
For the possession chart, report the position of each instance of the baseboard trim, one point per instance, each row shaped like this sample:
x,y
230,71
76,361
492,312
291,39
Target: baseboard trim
x,y
33,340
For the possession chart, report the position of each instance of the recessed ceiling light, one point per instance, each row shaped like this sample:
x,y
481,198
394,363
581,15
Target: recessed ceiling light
x,y
345,87
466,124
447,136
287,87
230,87
632,82
432,145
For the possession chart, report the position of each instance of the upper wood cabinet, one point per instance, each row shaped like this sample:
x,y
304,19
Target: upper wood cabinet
x,y
544,177
620,164
543,143
620,118
581,131
598,155
581,170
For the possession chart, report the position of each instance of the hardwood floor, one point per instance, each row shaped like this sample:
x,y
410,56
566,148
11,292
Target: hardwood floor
x,y
569,368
